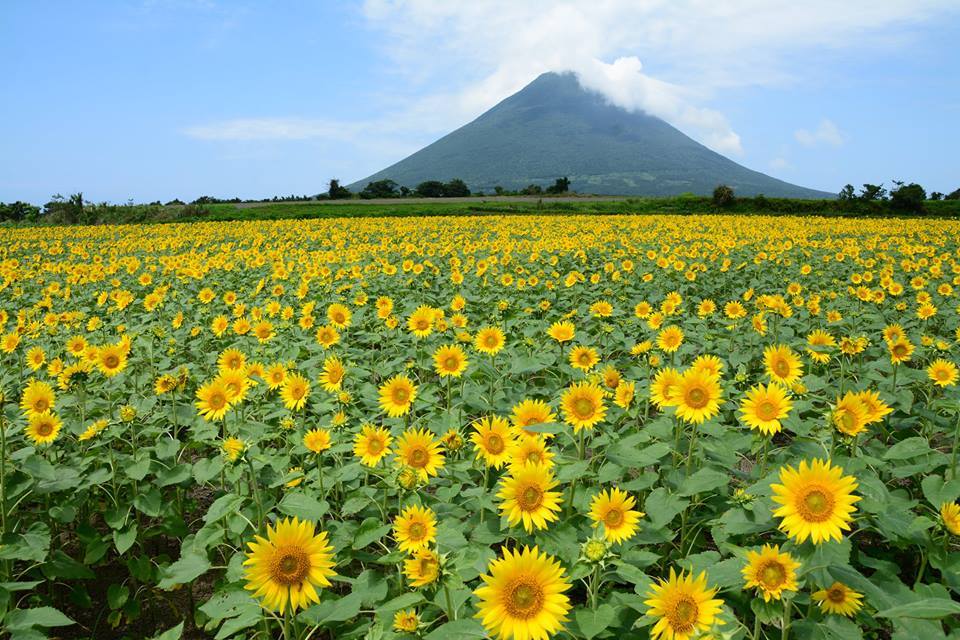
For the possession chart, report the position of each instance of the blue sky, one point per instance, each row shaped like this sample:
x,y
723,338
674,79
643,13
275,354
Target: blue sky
x,y
179,98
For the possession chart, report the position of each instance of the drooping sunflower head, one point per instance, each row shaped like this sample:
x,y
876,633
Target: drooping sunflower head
x,y
771,572
415,528
397,395
372,444
285,569
839,599
418,450
233,448
583,406
684,604
493,439
614,509
522,595
527,496
816,501
764,407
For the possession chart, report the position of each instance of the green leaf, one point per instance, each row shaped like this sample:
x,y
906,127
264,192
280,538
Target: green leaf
x,y
926,609
125,539
936,491
33,545
339,610
404,601
303,506
222,507
190,566
369,532
633,457
171,634
22,619
460,629
908,448
593,622
662,508
703,480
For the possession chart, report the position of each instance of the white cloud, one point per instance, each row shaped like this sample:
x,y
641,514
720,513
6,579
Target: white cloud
x,y
454,60
827,133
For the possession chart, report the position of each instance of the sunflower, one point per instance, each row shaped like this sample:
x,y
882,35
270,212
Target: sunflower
x,y
417,449
816,501
415,528
286,568
708,364
900,351
850,414
43,428
213,400
840,599
327,336
614,509
764,407
295,391
339,315
531,449
522,596
698,396
623,394
782,364
943,373
371,444
275,375
317,440
583,358
76,346
684,605
332,376
582,405
397,395
670,338
489,340
420,322
406,621
232,448
423,568
35,358
875,407
532,412
450,361
950,513
231,359
236,383
527,496
665,387
562,331
771,572
493,440
37,397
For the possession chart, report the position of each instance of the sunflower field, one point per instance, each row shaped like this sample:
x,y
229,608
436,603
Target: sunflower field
x,y
526,427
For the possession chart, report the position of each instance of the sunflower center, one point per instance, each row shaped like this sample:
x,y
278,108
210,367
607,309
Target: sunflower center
x,y
400,396
534,456
767,410
40,405
422,324
697,398
374,446
44,429
772,575
290,565
418,457
816,505
781,368
218,401
530,498
451,363
684,614
583,407
613,518
836,594
495,444
417,531
490,341
524,599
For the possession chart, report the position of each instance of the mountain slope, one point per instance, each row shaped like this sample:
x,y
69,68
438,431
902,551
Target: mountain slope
x,y
553,127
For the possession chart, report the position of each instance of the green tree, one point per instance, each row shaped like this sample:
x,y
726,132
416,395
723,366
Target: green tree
x,y
953,195
907,198
723,196
873,192
456,188
430,189
562,185
336,191
379,189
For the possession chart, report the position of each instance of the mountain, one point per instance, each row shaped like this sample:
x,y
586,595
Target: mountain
x,y
553,127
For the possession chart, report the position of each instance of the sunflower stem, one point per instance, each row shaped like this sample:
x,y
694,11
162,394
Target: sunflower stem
x,y
756,628
953,454
785,628
256,492
451,612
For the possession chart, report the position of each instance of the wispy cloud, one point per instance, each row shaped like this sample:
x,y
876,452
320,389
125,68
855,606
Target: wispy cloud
x,y
826,133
